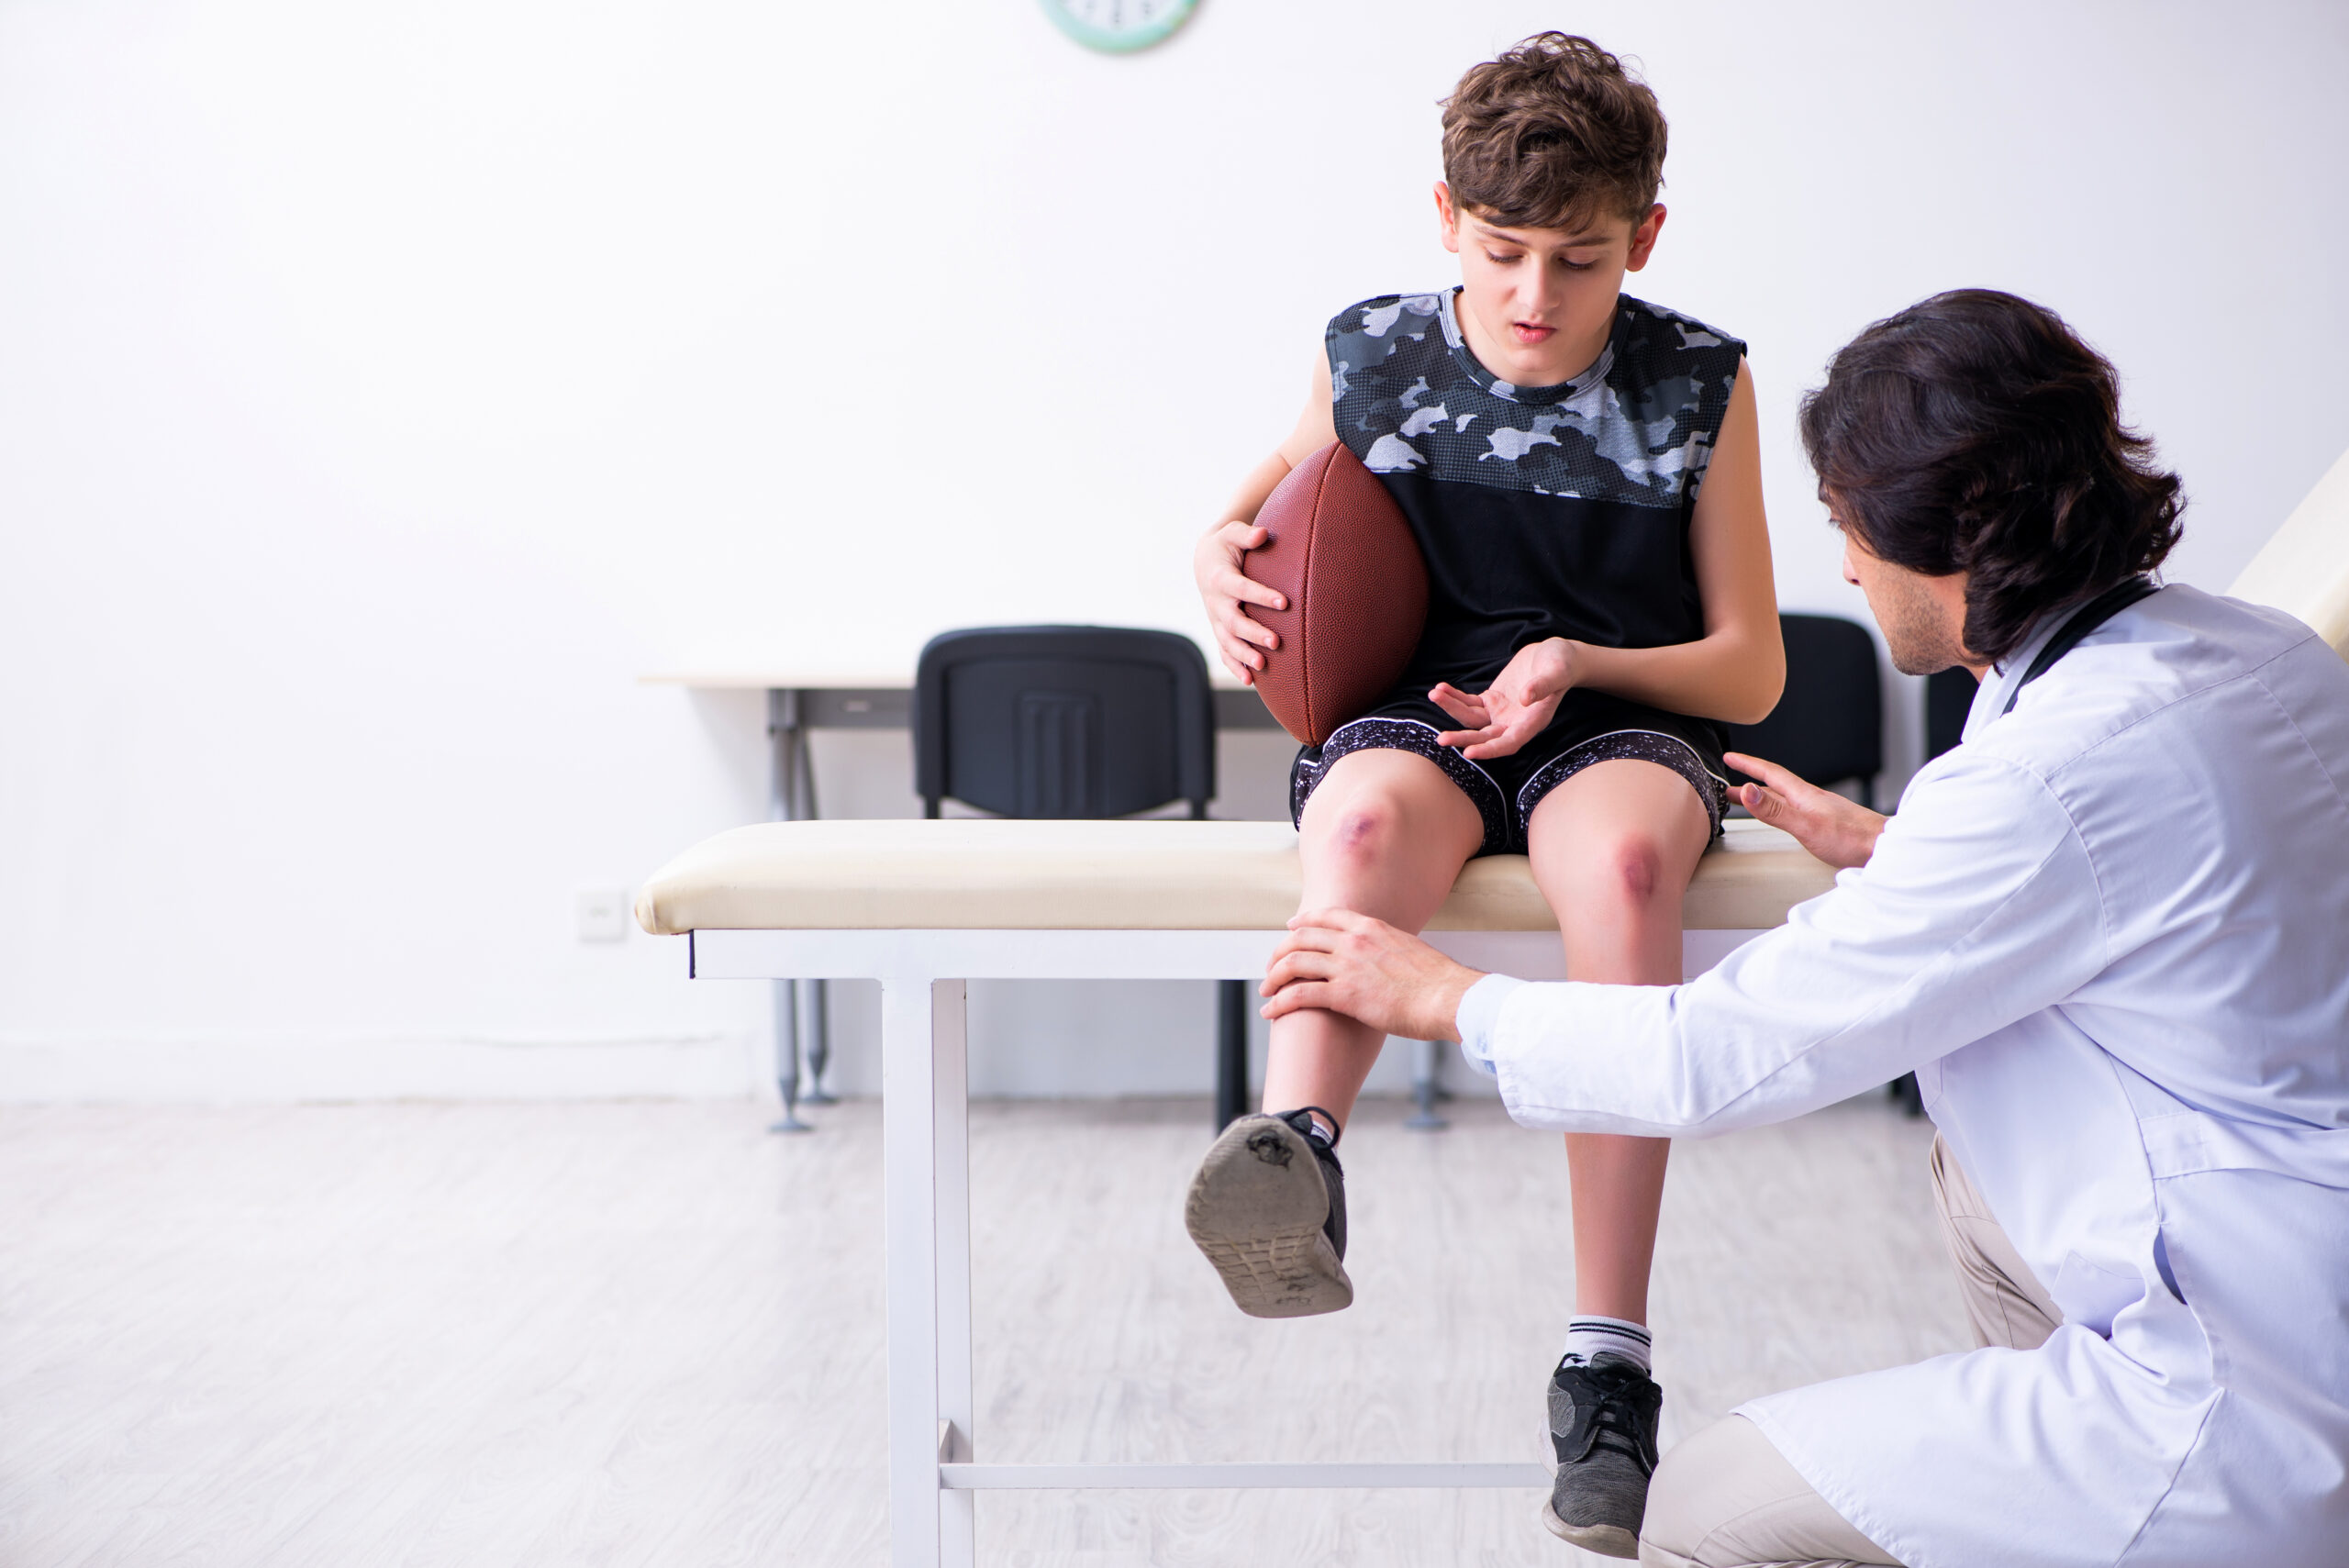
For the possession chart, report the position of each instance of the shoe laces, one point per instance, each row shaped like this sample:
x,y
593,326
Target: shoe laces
x,y
1615,1408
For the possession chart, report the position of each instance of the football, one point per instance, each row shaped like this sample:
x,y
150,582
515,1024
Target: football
x,y
1342,554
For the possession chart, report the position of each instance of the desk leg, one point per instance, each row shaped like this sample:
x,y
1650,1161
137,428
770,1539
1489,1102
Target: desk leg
x,y
924,1134
787,744
816,1022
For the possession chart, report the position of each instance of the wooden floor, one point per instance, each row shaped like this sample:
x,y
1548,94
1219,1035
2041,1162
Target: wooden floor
x,y
650,1333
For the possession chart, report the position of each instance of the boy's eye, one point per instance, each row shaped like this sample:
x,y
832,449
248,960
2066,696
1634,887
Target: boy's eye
x,y
1577,266
1499,259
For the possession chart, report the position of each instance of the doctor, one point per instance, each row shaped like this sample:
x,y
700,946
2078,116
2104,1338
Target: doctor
x,y
2109,933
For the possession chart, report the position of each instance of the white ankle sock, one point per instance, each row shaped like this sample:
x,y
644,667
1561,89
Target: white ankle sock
x,y
1586,1336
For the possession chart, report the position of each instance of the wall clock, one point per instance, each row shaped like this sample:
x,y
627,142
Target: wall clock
x,y
1120,27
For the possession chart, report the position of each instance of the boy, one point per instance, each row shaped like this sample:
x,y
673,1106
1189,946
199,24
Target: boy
x,y
1583,475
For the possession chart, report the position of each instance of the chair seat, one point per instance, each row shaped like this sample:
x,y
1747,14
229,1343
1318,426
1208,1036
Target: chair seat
x,y
984,874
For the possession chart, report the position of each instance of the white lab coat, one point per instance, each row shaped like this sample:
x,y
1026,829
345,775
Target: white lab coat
x,y
2111,934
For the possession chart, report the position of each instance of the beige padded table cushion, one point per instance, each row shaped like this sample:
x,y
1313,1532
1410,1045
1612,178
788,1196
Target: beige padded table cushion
x,y
984,874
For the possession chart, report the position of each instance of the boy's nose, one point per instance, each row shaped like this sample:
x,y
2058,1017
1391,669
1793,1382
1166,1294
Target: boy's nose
x,y
1540,292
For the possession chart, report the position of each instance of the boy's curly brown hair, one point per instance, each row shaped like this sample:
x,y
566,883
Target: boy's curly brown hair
x,y
1553,134
1976,432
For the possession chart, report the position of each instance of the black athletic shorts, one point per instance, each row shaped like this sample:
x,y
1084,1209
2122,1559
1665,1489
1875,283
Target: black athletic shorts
x,y
1589,727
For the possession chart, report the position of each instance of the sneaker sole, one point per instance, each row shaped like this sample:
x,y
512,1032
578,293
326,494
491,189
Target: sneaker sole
x,y
1608,1541
1256,1209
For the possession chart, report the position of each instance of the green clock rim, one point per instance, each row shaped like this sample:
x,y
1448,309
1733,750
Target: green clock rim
x,y
1108,42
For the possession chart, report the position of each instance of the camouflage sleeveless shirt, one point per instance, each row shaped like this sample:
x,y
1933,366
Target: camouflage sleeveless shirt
x,y
1549,511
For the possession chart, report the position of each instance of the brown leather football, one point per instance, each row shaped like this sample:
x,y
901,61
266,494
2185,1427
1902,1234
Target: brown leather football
x,y
1342,554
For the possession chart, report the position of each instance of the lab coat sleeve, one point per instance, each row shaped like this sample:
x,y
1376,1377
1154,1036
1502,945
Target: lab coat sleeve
x,y
1979,907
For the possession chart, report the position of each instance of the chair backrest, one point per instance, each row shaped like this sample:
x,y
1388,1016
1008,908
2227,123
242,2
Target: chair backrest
x,y
1949,698
1829,727
2303,570
1063,722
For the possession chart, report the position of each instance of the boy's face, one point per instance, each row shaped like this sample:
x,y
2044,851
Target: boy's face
x,y
1538,303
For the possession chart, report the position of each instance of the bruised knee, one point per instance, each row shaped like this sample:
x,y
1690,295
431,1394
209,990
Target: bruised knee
x,y
1364,831
1632,870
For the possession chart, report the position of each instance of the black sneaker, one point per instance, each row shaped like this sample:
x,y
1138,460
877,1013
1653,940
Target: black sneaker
x,y
1602,1427
1268,1207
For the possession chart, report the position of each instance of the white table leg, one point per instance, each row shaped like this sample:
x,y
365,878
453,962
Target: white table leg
x,y
951,1133
925,1138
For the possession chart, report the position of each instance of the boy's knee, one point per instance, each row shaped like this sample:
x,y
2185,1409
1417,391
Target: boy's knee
x,y
1363,829
1633,869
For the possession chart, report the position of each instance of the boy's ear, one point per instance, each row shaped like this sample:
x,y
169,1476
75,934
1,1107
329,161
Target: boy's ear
x,y
1643,239
1447,218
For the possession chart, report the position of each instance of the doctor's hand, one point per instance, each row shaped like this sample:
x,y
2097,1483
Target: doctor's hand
x,y
1515,708
1364,968
1840,833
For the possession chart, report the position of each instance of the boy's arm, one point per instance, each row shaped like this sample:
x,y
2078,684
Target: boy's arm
x,y
1226,589
1737,669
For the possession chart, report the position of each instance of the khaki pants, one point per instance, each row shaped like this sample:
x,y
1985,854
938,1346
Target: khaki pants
x,y
1726,1498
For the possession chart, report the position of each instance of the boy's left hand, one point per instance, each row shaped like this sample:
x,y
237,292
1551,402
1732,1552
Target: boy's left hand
x,y
1515,708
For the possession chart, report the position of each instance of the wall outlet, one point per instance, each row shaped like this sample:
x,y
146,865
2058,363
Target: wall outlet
x,y
603,915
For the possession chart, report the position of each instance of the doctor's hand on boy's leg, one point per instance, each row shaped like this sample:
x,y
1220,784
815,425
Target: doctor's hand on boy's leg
x,y
1359,965
1840,833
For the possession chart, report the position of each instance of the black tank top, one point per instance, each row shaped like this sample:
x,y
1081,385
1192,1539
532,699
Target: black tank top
x,y
1550,511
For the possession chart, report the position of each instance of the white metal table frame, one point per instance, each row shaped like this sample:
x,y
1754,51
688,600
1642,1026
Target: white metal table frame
x,y
802,1013
934,1472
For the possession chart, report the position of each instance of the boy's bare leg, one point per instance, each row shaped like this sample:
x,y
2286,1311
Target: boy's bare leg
x,y
1385,834
1613,849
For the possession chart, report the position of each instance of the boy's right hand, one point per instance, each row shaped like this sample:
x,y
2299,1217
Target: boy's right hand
x,y
1227,592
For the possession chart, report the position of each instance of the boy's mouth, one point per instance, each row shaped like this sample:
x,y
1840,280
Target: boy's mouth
x,y
1531,333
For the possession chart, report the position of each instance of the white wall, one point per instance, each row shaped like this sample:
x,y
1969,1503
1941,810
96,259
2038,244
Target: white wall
x,y
382,389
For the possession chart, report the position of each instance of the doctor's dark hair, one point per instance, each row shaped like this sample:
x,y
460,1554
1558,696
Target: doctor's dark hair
x,y
1553,134
1976,432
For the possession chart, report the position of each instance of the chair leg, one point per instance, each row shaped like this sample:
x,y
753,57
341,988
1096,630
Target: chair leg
x,y
1905,1091
1231,1052
786,1056
1427,1067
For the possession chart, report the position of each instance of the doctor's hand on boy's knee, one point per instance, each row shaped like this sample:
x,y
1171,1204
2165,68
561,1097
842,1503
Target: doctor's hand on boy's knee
x,y
1364,968
1840,833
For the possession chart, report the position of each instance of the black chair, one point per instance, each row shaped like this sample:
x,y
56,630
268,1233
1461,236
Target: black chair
x,y
1075,722
1829,727
1949,698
